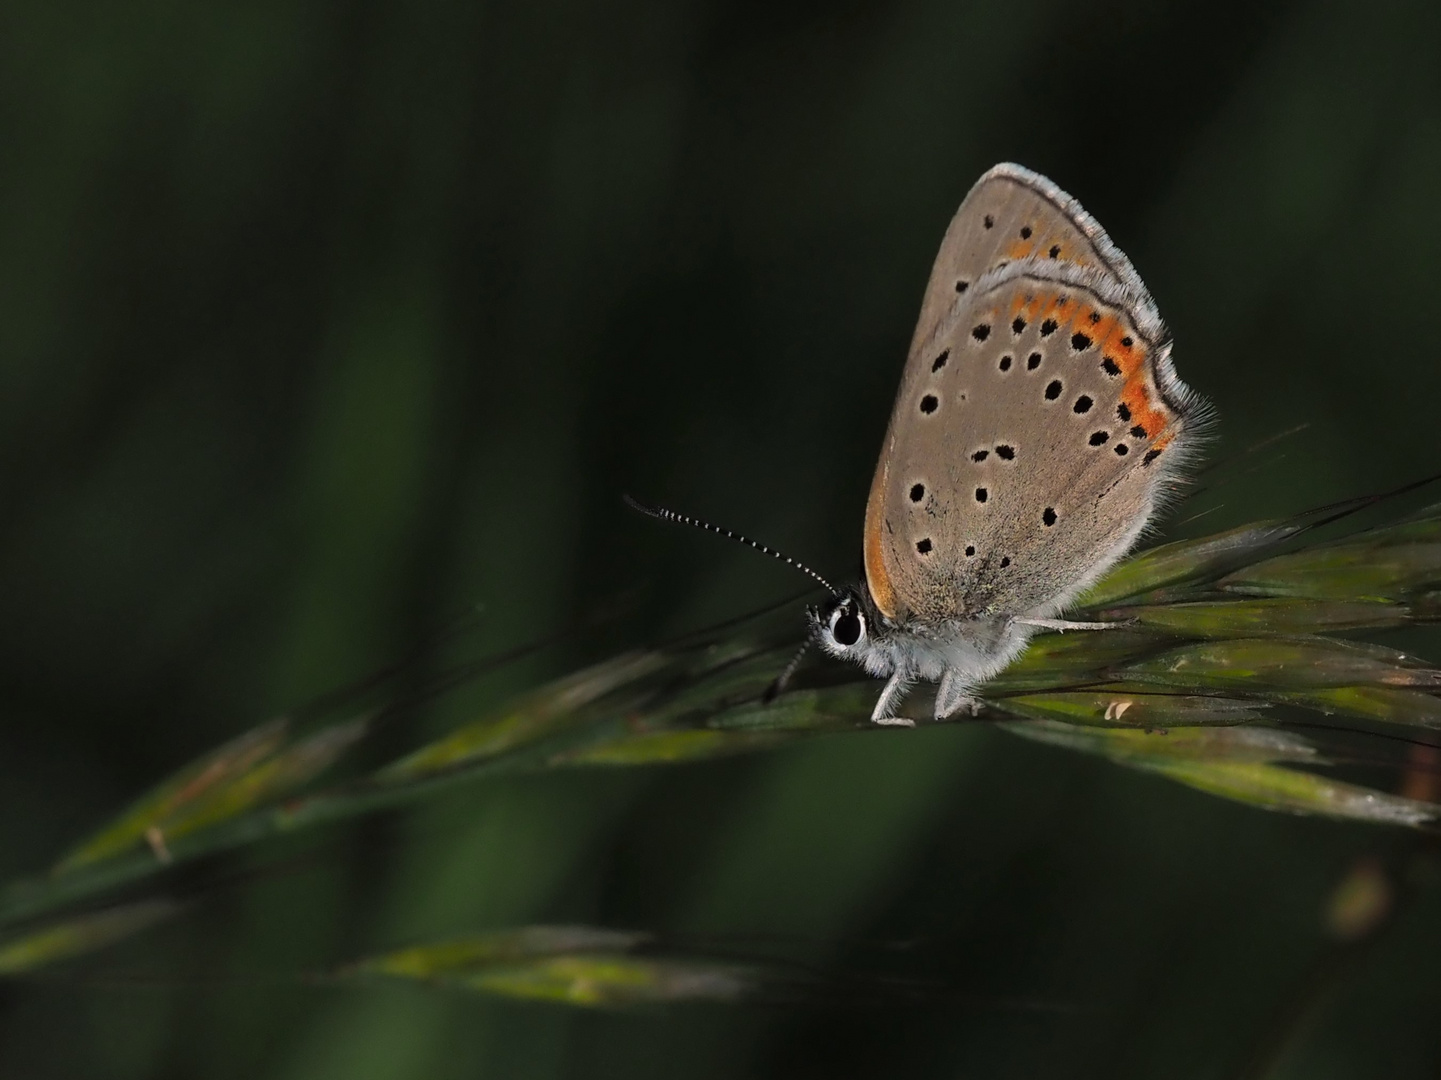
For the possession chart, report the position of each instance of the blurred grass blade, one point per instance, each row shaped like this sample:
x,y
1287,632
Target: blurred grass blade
x,y
466,954
526,720
668,747
846,707
1233,744
1272,787
1239,764
192,783
277,776
566,965
82,934
246,773
615,980
748,726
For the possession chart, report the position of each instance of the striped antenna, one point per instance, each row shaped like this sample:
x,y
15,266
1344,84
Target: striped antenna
x,y
681,519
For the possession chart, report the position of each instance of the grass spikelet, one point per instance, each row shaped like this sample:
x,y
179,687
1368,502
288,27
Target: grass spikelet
x,y
66,939
568,965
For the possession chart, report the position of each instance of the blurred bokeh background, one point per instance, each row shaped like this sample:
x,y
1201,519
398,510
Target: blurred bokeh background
x,y
323,324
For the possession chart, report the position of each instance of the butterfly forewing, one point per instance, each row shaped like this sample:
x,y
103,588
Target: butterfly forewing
x,y
1026,447
1012,213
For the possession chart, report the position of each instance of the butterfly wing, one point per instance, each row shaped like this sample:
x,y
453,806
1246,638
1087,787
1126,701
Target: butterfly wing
x,y
1013,213
1037,419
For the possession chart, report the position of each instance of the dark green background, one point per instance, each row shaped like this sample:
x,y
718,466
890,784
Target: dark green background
x,y
320,323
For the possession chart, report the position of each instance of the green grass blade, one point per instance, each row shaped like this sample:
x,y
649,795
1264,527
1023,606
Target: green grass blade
x,y
1259,665
190,785
1272,787
1189,560
459,956
669,747
1245,744
1389,704
1239,764
1367,569
527,720
1099,708
1061,660
579,966
1286,616
69,938
612,980
271,779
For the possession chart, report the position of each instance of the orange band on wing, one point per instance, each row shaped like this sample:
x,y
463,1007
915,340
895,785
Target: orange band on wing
x,y
883,595
1116,346
1043,249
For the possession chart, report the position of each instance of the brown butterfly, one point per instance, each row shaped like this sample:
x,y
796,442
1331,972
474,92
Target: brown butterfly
x,y
1038,428
1038,425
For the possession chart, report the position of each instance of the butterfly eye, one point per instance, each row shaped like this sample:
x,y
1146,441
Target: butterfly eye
x,y
847,627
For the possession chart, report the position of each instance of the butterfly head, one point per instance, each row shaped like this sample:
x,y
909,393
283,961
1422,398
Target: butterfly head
x,y
845,625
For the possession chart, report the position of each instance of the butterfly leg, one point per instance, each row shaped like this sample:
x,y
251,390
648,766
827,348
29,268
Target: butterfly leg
x,y
1062,625
952,695
890,697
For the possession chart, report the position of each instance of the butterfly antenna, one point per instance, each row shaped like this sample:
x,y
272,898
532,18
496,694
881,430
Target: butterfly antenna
x,y
682,519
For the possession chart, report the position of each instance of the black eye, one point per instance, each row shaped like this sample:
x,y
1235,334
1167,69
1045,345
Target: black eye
x,y
847,628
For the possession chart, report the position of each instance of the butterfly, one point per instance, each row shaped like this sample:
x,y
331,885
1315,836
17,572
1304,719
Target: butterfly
x,y
1038,428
